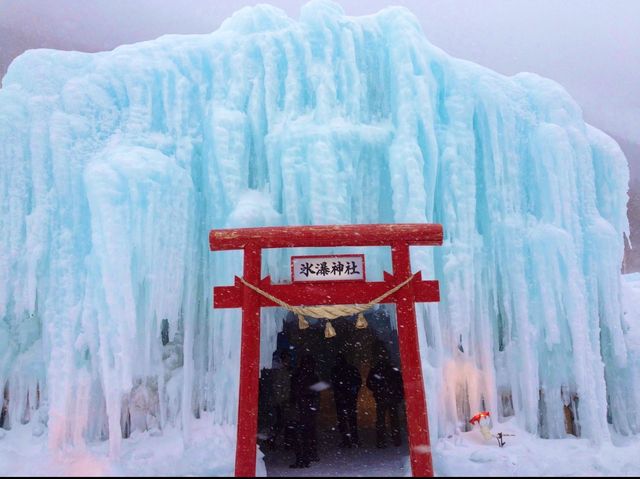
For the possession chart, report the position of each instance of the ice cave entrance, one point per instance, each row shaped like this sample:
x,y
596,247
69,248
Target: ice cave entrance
x,y
339,448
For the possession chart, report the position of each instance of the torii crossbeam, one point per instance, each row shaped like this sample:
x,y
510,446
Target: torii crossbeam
x,y
400,237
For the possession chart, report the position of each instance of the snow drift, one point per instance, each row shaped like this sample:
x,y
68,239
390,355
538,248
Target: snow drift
x,y
114,166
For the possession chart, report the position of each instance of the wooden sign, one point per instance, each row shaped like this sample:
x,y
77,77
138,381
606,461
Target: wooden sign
x,y
340,267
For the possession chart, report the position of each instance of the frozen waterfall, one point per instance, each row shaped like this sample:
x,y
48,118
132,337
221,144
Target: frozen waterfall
x,y
114,166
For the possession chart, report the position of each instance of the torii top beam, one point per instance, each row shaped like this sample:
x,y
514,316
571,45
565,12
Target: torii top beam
x,y
323,236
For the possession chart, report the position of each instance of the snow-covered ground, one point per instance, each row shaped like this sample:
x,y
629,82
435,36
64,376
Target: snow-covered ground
x,y
365,461
526,455
212,454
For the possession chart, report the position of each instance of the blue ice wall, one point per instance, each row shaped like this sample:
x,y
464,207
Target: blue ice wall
x,y
114,166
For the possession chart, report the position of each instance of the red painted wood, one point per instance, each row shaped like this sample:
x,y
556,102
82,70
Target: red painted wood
x,y
332,235
327,292
415,402
249,368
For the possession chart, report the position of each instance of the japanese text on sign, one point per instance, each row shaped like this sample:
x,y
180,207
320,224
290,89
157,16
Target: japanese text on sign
x,y
328,268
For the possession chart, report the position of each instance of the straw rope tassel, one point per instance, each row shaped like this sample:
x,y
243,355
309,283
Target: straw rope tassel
x,y
361,322
329,332
302,323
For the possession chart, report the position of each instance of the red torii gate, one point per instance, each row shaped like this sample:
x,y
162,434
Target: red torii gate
x,y
399,237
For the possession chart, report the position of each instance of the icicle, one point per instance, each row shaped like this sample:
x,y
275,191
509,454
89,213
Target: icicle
x,y
302,323
329,332
361,322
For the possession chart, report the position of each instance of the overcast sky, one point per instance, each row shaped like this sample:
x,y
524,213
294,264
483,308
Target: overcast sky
x,y
591,48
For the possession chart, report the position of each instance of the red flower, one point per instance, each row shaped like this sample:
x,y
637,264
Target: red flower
x,y
479,416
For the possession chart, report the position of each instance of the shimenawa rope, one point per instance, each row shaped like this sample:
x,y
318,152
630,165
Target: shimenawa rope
x,y
329,312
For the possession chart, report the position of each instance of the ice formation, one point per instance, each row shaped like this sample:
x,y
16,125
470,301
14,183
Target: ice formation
x,y
114,166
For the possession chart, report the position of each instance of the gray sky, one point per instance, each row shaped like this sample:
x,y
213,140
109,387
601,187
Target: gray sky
x,y
591,48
